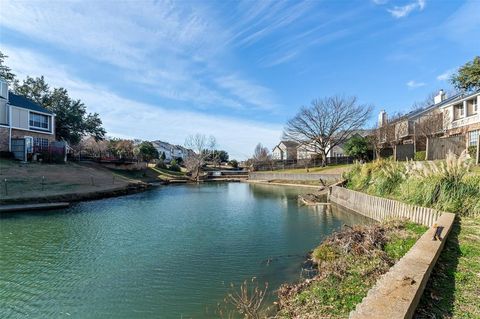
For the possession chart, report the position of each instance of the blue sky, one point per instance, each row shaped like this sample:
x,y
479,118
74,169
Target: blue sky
x,y
236,69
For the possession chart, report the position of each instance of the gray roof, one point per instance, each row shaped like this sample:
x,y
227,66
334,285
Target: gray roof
x,y
25,103
453,98
289,143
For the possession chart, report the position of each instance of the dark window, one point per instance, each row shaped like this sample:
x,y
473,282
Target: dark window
x,y
40,143
39,121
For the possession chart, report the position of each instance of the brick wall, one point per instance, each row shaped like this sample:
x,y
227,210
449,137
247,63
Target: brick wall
x,y
21,134
4,139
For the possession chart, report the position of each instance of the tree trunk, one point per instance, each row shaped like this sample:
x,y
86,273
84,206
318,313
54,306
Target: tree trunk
x,y
323,158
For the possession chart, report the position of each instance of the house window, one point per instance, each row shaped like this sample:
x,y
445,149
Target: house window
x,y
475,106
39,121
40,143
473,138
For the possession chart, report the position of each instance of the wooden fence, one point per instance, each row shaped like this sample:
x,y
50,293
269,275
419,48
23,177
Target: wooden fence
x,y
437,148
380,209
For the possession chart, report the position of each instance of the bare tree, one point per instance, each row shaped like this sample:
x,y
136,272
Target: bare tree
x,y
385,135
326,123
202,146
261,155
427,126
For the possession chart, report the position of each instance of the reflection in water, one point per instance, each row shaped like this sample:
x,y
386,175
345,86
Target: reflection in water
x,y
165,253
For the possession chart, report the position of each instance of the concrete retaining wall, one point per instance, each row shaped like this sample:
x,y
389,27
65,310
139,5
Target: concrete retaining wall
x,y
268,176
397,293
379,208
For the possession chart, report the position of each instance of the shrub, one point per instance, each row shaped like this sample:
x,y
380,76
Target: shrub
x,y
174,166
472,150
161,164
6,155
420,155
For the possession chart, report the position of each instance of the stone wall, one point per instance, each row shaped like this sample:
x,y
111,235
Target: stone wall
x,y
4,135
268,176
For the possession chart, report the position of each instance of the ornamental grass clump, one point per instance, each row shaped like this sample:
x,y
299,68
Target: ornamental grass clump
x,y
447,185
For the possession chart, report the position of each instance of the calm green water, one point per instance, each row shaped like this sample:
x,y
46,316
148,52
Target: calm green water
x,y
167,253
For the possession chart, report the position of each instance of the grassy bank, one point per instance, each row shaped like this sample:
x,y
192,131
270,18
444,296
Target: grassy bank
x,y
349,263
453,290
454,186
34,181
449,185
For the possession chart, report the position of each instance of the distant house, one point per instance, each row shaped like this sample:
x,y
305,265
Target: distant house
x,y
24,123
285,150
311,150
171,151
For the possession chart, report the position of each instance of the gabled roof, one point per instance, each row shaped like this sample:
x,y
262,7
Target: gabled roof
x,y
289,143
24,103
452,99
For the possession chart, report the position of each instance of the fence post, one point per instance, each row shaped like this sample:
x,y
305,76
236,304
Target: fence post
x,y
6,187
43,183
478,147
426,149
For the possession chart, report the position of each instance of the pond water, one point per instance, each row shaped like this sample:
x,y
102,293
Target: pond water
x,y
171,252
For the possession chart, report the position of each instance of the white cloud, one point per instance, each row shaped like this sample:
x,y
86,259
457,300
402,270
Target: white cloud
x,y
445,75
169,49
413,84
404,11
127,118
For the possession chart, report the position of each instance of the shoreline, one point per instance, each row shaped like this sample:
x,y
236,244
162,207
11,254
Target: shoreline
x,y
281,184
131,188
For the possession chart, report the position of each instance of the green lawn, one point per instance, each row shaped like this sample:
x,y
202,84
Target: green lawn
x,y
349,263
453,290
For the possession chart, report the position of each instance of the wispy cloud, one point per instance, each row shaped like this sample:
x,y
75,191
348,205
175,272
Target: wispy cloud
x,y
445,75
413,84
251,93
127,118
129,37
404,11
463,23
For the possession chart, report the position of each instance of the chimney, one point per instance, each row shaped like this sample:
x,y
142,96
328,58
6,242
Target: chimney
x,y
439,97
382,118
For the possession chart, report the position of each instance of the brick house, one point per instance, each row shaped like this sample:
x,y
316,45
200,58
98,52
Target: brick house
x,y
21,118
462,117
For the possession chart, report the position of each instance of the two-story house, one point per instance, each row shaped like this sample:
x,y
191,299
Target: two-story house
x,y
285,150
171,151
23,119
462,117
415,126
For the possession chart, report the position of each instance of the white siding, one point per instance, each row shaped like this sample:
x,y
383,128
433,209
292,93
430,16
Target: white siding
x,y
20,118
